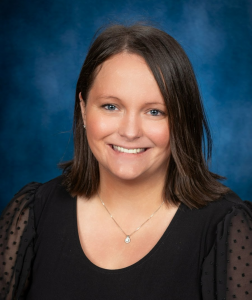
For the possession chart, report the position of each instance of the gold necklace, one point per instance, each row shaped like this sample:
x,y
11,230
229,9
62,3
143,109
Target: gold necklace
x,y
127,239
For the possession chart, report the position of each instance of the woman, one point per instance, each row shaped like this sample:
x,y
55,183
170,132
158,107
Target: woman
x,y
136,213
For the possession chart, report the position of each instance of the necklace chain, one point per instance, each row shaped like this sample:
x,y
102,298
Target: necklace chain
x,y
127,239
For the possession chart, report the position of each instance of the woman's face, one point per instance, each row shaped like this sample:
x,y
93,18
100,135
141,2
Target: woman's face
x,y
126,120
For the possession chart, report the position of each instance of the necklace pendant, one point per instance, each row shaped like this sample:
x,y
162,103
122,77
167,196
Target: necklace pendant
x,y
127,240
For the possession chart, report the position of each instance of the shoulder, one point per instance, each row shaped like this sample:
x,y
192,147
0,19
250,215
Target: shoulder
x,y
225,209
216,210
222,209
34,188
51,186
224,205
33,195
49,197
35,192
18,231
230,255
215,215
231,198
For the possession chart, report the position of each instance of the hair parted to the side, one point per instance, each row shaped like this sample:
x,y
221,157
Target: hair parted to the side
x,y
188,178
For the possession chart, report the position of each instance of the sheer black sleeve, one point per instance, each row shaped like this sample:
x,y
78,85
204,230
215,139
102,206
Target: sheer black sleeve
x,y
227,270
17,233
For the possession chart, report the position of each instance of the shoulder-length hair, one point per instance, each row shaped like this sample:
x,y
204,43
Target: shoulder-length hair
x,y
188,178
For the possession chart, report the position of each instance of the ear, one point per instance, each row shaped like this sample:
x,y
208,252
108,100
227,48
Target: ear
x,y
83,109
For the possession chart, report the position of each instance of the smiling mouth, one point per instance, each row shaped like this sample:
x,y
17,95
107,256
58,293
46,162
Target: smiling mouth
x,y
125,150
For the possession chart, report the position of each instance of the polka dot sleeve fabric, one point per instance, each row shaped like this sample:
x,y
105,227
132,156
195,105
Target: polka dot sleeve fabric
x,y
17,233
227,270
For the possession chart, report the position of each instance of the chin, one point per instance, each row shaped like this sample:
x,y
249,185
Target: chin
x,y
128,176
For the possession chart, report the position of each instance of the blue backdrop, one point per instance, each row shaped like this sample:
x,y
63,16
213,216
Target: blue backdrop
x,y
44,43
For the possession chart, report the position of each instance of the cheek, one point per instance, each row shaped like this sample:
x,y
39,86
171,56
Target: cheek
x,y
98,127
160,135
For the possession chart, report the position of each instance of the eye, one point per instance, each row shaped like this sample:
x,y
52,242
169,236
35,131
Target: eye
x,y
156,112
109,106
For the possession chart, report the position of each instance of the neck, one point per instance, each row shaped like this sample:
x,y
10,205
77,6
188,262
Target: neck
x,y
134,196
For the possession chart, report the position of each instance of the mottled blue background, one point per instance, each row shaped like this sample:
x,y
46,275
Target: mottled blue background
x,y
44,43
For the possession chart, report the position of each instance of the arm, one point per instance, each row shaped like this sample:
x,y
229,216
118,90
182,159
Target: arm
x,y
227,269
17,233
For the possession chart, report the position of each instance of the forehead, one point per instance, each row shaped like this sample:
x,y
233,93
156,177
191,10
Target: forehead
x,y
126,75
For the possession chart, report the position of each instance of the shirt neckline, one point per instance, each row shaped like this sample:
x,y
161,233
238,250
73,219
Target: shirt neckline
x,y
91,265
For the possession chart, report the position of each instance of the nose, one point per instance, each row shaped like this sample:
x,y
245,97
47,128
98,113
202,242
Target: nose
x,y
130,126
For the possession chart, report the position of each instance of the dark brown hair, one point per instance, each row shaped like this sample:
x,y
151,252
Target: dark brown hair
x,y
188,178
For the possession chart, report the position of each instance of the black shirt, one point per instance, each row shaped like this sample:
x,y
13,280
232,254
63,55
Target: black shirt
x,y
203,254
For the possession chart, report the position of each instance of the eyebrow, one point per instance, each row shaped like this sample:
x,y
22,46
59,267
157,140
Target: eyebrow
x,y
155,103
116,98
108,97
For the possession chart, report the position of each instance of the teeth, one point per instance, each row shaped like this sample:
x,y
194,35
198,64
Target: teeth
x,y
121,149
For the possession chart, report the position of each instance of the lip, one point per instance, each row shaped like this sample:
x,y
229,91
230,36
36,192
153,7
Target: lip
x,y
129,148
124,153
